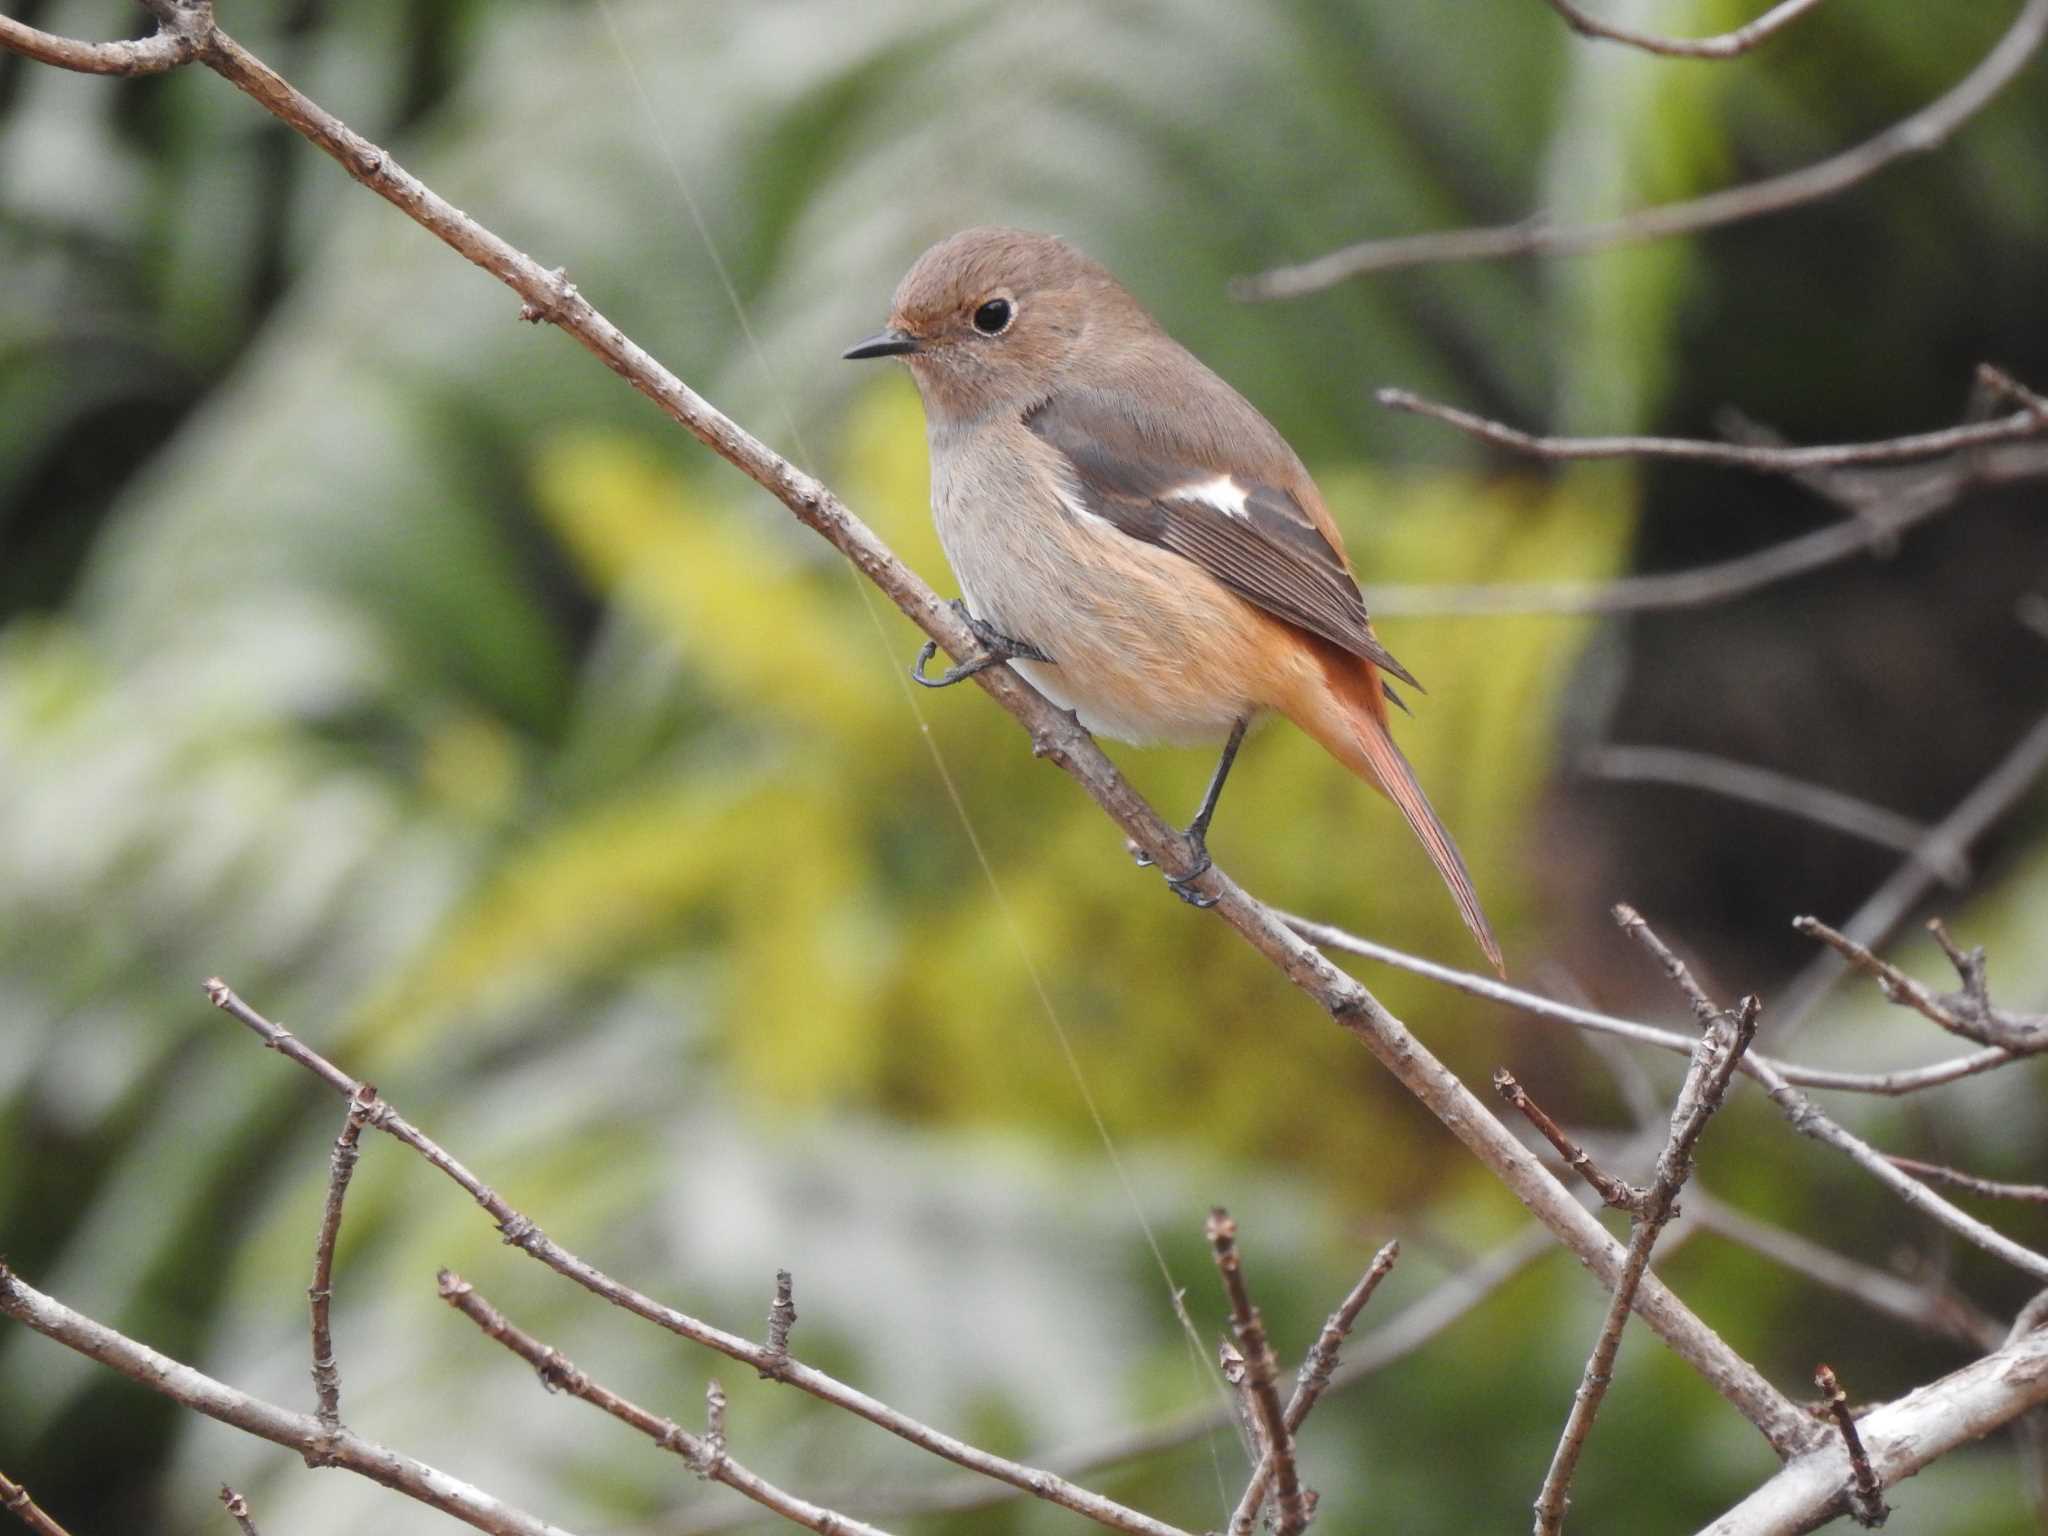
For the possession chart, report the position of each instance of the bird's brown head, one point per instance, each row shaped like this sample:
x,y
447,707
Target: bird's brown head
x,y
990,319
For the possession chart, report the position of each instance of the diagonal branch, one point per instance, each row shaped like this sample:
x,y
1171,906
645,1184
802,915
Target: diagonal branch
x,y
1968,1013
16,1501
522,1233
705,1453
1726,45
1720,1049
1918,134
1970,1183
163,50
1900,1438
300,1432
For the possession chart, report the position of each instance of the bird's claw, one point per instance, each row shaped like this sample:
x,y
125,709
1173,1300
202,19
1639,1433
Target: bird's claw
x,y
1183,886
996,647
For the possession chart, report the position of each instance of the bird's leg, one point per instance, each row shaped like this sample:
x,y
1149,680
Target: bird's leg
x,y
995,646
1197,834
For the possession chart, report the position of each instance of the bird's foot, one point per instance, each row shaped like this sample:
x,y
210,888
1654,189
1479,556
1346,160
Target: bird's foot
x,y
1183,886
995,647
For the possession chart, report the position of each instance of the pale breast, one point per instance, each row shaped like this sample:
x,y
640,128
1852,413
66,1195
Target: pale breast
x,y
1147,647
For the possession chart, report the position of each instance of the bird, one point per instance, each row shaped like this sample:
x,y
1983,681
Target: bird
x,y
1132,535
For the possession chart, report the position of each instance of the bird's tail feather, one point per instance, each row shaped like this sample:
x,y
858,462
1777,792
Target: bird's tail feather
x,y
1352,727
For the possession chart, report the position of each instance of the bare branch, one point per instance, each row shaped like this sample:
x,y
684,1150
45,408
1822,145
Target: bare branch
x,y
1714,1061
138,56
1866,1499
1315,1377
341,1165
705,1453
15,1500
1726,45
301,1432
238,1507
1807,1119
1292,1503
1762,787
1887,1084
1631,922
1395,1340
1955,1178
1996,793
523,1234
2029,421
1920,133
1900,1437
1612,1191
781,1316
1969,1013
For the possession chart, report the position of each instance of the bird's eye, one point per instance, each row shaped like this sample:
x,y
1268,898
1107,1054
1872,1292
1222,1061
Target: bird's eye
x,y
993,318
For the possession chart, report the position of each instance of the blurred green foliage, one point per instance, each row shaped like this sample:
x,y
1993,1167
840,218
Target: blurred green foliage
x,y
386,657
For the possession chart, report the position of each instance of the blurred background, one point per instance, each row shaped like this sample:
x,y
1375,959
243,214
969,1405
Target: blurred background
x,y
388,658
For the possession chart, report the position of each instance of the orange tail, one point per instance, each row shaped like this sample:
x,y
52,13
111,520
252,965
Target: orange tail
x,y
1350,720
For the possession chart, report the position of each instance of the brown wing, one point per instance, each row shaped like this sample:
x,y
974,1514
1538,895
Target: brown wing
x,y
1254,537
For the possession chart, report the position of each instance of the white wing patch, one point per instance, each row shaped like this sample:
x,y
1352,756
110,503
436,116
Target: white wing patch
x,y
1222,493
1082,512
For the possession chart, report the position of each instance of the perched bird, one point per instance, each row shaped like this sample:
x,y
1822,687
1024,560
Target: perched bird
x,y
1130,533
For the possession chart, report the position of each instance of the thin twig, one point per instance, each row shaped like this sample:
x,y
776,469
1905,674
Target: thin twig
x,y
523,1234
1808,1120
1725,1038
1292,1503
2026,422
1920,133
1900,1438
1316,1372
138,56
1969,1013
341,1165
301,1432
1885,1084
238,1507
1955,1178
1632,923
706,1453
1401,1336
781,1316
1866,1498
1726,45
1612,1191
1815,803
15,1500
1873,922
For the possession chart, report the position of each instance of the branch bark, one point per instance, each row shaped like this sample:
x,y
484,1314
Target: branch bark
x,y
1725,45
301,1432
1925,130
1900,1438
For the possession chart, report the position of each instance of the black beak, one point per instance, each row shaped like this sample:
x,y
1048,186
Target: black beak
x,y
889,343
